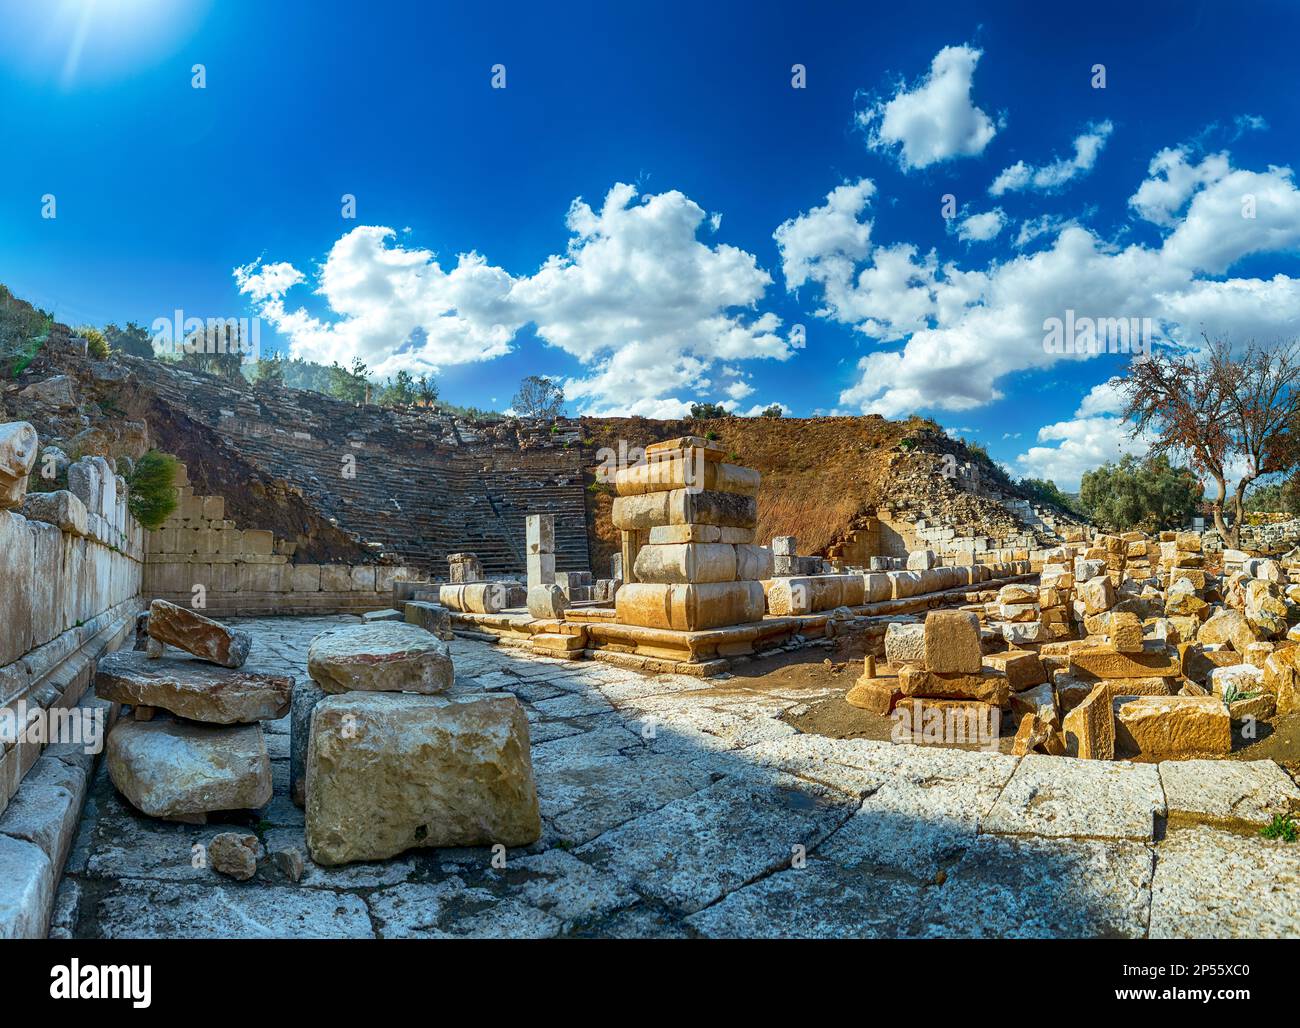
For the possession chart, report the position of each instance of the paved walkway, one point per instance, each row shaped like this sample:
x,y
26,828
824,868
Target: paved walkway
x,y
675,807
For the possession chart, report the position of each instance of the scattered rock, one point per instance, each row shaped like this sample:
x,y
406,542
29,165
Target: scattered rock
x,y
192,688
205,638
387,657
234,854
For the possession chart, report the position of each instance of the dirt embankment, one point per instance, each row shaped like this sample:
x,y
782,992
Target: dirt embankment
x,y
821,476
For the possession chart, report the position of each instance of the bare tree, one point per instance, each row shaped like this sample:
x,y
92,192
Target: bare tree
x,y
539,397
1217,408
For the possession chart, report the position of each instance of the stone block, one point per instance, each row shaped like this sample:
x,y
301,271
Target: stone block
x,y
26,889
952,642
1164,727
686,563
386,657
905,644
363,578
541,568
389,773
17,567
689,607
335,578
305,578
259,541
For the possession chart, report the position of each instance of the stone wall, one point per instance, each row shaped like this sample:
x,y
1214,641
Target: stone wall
x,y
199,558
70,573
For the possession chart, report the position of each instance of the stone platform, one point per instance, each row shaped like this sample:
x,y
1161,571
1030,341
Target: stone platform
x,y
679,807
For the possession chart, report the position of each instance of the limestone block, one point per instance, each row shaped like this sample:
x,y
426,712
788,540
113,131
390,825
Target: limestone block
x,y
952,643
84,483
305,578
1020,633
1039,701
17,566
1089,728
180,770
689,607
686,562
197,634
1282,678
475,597
541,568
47,583
264,578
905,643
905,583
753,563
258,540
214,508
1023,668
363,578
432,617
546,601
807,594
1241,678
985,685
539,533
335,578
784,546
192,688
921,560
1172,726
687,473
389,773
26,889
60,508
1097,594
1153,662
877,695
391,656
683,507
877,587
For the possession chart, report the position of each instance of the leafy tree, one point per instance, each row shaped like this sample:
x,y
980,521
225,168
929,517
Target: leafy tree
x,y
1148,495
152,496
305,374
351,384
134,340
217,350
399,392
773,411
269,370
703,411
426,390
1220,408
539,397
1275,497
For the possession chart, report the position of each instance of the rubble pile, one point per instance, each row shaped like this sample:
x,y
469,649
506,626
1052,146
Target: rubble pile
x,y
1128,647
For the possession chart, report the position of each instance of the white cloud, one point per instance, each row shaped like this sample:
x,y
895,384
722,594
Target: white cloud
x,y
1056,174
980,228
1082,443
935,120
965,329
636,297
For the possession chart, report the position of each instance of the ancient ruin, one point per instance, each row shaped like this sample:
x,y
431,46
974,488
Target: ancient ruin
x,y
341,699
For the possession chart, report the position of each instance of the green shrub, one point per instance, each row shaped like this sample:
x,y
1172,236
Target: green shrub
x,y
1282,827
152,497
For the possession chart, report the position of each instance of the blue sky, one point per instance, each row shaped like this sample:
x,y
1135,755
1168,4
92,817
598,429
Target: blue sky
x,y
678,127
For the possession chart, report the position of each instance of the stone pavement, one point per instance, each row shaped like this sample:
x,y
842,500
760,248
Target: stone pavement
x,y
675,807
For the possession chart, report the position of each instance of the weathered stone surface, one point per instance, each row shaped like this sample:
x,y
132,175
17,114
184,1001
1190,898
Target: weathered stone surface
x,y
905,644
874,694
1211,884
388,657
432,617
986,685
1237,794
290,863
1082,799
174,769
388,773
683,507
1012,888
1154,662
686,562
17,458
1089,726
1162,727
60,508
1282,678
700,847
1266,609
1096,594
685,471
202,636
952,642
306,694
690,607
192,688
1023,668
26,889
1040,700
1227,626
1240,678
234,854
171,910
546,602
1034,731
45,809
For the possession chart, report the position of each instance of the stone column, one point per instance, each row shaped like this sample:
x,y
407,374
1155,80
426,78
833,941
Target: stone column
x,y
540,532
